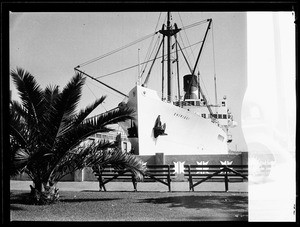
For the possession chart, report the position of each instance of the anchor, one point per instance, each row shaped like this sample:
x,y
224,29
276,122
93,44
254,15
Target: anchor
x,y
159,128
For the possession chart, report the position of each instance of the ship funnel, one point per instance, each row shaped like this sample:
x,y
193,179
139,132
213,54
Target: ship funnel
x,y
190,87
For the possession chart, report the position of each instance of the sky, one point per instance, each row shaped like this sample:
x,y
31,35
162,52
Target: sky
x,y
252,55
239,50
50,45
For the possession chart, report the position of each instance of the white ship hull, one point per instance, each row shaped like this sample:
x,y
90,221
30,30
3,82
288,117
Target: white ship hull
x,y
187,132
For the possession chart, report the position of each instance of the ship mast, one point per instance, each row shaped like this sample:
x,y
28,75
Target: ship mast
x,y
169,33
169,59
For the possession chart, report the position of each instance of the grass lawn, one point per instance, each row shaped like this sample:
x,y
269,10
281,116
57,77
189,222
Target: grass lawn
x,y
133,206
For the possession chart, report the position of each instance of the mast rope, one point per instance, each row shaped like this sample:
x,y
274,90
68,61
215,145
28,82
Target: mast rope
x,y
187,27
91,90
148,55
116,50
155,57
106,90
95,96
131,44
136,65
186,38
185,48
194,24
214,63
153,50
192,52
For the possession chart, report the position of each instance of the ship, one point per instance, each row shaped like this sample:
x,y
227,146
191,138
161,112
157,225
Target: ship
x,y
184,125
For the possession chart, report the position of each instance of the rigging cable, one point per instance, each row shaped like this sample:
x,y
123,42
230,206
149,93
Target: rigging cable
x,y
116,50
197,23
153,50
186,37
76,68
146,80
209,101
132,43
214,62
136,65
91,91
96,97
187,54
192,25
123,47
149,48
106,90
204,21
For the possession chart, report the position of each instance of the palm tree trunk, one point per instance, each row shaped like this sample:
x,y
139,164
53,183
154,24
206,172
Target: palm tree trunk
x,y
43,193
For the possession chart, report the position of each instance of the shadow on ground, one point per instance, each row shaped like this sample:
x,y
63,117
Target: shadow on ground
x,y
23,198
201,202
85,200
212,208
12,207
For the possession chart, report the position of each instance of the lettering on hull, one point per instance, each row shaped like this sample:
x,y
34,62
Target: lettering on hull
x,y
181,116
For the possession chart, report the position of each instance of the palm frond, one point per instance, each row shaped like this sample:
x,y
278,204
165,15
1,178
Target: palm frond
x,y
71,94
17,135
121,160
17,110
92,126
17,125
30,93
98,154
113,116
77,158
51,92
21,156
19,161
67,102
85,112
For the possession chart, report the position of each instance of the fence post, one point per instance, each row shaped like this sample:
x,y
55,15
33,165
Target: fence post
x,y
226,180
190,178
134,182
169,178
101,183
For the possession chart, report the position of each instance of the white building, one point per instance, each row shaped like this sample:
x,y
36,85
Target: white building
x,y
117,135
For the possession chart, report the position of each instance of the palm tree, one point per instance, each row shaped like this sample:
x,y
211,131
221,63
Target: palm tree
x,y
47,135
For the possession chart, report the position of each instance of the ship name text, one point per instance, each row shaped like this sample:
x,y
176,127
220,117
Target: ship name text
x,y
181,116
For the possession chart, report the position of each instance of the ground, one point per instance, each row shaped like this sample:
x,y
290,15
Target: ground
x,y
134,206
83,204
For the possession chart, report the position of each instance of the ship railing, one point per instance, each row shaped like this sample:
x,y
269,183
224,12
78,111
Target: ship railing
x,y
181,103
